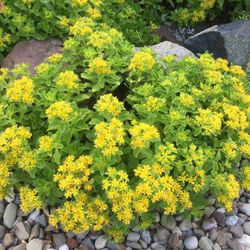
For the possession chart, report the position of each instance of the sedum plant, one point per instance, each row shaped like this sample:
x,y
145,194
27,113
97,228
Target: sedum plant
x,y
106,136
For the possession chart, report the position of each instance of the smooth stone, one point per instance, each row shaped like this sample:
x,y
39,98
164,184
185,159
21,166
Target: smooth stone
x,y
216,246
188,233
185,225
134,245
198,232
244,208
221,239
157,217
219,217
205,243
41,220
2,208
33,215
236,230
22,231
246,227
245,241
20,247
10,214
89,243
168,222
231,220
10,197
8,240
160,247
133,237
233,244
59,239
162,234
208,211
213,234
209,224
2,231
35,231
82,236
72,243
191,242
145,235
63,247
100,242
143,244
35,244
177,231
240,221
174,241
112,246
95,235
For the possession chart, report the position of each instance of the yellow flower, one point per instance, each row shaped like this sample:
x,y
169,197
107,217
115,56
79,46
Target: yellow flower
x,y
67,79
142,61
154,103
207,4
29,199
246,179
27,161
142,134
99,66
110,104
27,1
213,76
21,90
4,178
186,100
100,39
245,149
45,143
59,109
41,68
237,70
73,175
109,136
4,72
169,58
55,58
209,121
198,16
230,149
82,26
78,3
94,12
64,21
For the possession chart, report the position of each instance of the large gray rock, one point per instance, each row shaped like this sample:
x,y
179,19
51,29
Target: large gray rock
x,y
230,41
32,52
169,48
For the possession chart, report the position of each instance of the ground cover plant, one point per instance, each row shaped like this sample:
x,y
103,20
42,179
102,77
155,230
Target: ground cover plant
x,y
105,135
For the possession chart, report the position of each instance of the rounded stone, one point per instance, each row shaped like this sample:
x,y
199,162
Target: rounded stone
x,y
35,244
145,235
185,225
168,222
10,214
205,243
133,237
2,231
191,242
22,231
63,247
231,220
244,208
8,240
246,227
20,247
100,242
209,224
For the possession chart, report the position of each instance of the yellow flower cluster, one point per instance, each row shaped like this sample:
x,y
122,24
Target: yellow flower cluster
x,y
237,119
41,68
166,155
197,156
230,149
45,143
186,100
229,190
29,199
237,70
73,175
82,26
198,16
64,21
27,161
59,109
119,194
55,58
79,3
209,121
4,178
207,4
246,179
142,134
108,136
99,66
99,39
4,72
110,104
94,12
80,215
67,79
154,103
213,76
245,149
142,61
157,186
21,90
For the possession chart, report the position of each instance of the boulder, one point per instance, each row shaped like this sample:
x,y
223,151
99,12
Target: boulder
x,y
230,41
32,52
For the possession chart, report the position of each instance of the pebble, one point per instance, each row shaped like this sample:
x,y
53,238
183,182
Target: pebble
x,y
33,215
185,225
10,197
246,227
112,246
59,239
216,246
8,240
134,245
72,243
213,234
209,224
231,220
208,211
2,208
88,242
10,214
162,234
2,231
177,230
191,242
35,231
41,220
35,244
145,235
221,239
245,241
82,236
244,208
20,247
22,231
241,221
63,247
168,222
236,230
174,241
101,242
133,237
198,232
219,217
205,243
143,243
157,217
